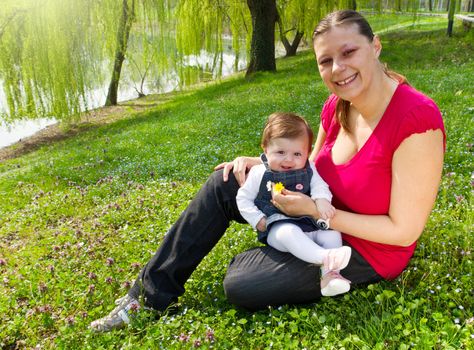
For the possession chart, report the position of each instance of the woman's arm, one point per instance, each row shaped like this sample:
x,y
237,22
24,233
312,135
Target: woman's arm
x,y
416,173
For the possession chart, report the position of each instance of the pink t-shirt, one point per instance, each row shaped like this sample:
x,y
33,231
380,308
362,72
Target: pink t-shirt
x,y
362,185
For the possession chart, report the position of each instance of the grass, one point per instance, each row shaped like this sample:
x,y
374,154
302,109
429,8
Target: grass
x,y
79,217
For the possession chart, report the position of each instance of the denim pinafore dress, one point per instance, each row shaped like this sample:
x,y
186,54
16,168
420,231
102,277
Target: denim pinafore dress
x,y
295,180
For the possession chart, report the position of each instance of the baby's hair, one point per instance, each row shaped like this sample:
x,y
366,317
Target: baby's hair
x,y
286,125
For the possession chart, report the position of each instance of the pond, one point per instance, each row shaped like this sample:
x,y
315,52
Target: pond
x,y
17,130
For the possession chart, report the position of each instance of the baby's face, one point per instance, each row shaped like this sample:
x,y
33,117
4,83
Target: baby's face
x,y
287,154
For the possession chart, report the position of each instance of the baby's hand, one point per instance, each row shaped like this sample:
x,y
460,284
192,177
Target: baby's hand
x,y
262,225
325,208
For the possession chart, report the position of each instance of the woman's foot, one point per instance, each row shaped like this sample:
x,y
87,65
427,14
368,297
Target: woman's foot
x,y
337,258
332,283
119,317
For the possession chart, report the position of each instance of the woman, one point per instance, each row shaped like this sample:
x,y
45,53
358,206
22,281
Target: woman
x,y
380,148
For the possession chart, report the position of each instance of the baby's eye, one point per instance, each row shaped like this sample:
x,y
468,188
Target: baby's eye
x,y
281,152
298,154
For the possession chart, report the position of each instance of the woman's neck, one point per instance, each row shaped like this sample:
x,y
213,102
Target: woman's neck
x,y
373,105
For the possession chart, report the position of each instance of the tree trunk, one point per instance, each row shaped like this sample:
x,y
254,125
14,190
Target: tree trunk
x,y
452,7
353,5
262,49
123,33
430,5
398,5
289,48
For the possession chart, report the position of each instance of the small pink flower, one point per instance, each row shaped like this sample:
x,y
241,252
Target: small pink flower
x,y
134,307
91,289
110,261
109,280
92,275
44,309
183,337
42,287
299,187
126,284
210,335
70,320
197,343
3,262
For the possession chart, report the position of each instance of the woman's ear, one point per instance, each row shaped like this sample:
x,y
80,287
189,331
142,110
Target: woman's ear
x,y
377,46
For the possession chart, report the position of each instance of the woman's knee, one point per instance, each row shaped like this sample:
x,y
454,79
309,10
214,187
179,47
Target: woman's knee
x,y
227,188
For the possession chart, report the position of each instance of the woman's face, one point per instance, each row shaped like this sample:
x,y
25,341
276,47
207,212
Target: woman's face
x,y
347,61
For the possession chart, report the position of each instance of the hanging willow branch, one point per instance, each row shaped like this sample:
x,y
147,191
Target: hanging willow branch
x,y
56,55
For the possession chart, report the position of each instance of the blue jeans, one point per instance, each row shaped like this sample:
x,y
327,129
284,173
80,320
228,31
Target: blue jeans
x,y
255,278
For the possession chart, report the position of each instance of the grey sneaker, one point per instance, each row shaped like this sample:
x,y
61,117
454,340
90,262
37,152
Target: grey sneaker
x,y
119,317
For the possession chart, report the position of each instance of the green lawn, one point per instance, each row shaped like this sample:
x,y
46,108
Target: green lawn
x,y
79,217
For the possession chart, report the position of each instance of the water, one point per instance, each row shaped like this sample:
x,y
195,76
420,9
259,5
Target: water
x,y
10,134
15,131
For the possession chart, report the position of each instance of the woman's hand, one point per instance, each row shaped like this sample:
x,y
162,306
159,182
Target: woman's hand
x,y
239,166
295,204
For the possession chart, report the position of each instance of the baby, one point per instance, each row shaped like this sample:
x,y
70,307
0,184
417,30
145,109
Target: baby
x,y
286,142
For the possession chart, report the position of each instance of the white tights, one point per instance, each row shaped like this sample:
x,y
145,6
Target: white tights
x,y
311,247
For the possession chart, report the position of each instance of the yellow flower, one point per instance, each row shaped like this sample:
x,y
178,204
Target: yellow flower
x,y
278,187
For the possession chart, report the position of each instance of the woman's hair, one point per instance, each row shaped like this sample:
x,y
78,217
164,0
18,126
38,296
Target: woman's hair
x,y
345,18
286,125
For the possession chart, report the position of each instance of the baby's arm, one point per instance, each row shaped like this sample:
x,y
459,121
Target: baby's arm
x,y
319,187
246,198
321,195
325,208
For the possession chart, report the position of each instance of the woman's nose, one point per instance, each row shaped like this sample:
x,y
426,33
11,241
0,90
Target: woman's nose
x,y
337,66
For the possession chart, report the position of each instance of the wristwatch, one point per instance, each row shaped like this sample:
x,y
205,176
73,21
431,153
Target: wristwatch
x,y
323,224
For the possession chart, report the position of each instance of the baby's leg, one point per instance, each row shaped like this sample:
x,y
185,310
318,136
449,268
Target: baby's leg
x,y
287,237
337,257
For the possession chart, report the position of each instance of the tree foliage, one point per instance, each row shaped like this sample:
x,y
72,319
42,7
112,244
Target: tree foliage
x,y
55,55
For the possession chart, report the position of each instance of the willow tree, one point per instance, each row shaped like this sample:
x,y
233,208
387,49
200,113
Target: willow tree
x,y
452,9
55,55
153,17
202,20
262,50
123,33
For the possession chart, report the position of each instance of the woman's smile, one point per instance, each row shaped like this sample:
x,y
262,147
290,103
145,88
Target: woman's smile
x,y
346,81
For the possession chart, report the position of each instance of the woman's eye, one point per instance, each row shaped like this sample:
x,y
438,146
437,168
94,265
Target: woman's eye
x,y
325,62
348,52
